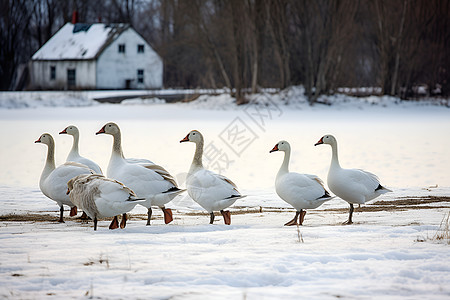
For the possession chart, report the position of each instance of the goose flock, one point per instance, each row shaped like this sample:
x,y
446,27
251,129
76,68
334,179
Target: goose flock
x,y
80,183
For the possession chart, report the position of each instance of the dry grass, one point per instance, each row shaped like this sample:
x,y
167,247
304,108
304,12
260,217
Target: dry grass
x,y
400,204
443,233
28,218
101,260
408,201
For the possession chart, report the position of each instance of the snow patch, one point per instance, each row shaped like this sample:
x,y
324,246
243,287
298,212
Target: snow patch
x,y
15,100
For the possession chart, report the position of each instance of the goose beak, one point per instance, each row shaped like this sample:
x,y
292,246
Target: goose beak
x,y
64,131
274,149
101,130
320,142
186,139
38,141
68,191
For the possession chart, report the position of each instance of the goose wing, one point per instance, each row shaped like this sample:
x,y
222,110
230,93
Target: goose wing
x,y
55,185
301,190
138,161
205,184
89,163
112,197
145,180
162,172
367,182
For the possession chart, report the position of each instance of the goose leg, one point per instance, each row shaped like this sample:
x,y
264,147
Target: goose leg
x,y
84,217
294,220
350,214
73,211
211,219
123,223
114,223
61,212
167,214
149,215
95,223
302,216
226,216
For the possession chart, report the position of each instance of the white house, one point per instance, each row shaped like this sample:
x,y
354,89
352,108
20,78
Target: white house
x,y
96,56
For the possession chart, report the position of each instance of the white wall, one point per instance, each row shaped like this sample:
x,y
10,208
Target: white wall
x,y
40,74
114,68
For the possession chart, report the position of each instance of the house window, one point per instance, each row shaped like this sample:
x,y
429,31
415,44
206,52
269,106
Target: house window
x,y
121,48
140,76
52,72
71,78
140,48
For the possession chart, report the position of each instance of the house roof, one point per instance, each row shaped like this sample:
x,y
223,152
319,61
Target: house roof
x,y
79,41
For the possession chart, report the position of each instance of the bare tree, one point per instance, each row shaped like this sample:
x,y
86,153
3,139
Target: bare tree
x,y
277,26
14,44
407,30
322,31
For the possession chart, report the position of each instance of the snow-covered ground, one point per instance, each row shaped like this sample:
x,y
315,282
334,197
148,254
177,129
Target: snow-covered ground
x,y
391,252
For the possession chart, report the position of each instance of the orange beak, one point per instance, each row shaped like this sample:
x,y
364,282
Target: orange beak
x,y
320,142
64,131
68,192
186,139
101,130
274,149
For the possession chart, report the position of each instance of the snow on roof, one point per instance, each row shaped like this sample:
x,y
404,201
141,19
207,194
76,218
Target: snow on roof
x,y
79,41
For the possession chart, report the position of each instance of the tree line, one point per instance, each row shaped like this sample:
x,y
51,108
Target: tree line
x,y
245,45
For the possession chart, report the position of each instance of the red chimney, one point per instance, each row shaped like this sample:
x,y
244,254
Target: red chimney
x,y
74,17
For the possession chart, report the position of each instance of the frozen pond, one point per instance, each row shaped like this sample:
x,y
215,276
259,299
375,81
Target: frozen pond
x,y
405,147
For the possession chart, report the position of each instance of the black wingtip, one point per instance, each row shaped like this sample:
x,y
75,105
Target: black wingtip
x,y
172,189
326,195
234,196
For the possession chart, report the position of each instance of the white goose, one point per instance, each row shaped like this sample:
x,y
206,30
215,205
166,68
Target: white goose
x,y
74,155
101,197
211,191
352,185
53,181
148,181
302,191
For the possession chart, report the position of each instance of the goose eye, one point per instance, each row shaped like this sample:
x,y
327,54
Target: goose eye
x,y
193,133
109,125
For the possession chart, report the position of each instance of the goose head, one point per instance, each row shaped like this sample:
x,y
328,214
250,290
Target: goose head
x,y
194,136
70,185
109,128
71,182
326,139
71,130
46,138
281,146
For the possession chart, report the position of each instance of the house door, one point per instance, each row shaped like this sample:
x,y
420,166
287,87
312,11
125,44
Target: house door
x,y
71,78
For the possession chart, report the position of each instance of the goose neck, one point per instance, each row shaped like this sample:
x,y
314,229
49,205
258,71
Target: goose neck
x,y
50,161
117,146
285,165
76,139
334,156
197,162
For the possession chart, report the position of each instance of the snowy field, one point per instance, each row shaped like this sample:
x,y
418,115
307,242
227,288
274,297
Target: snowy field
x,y
392,251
